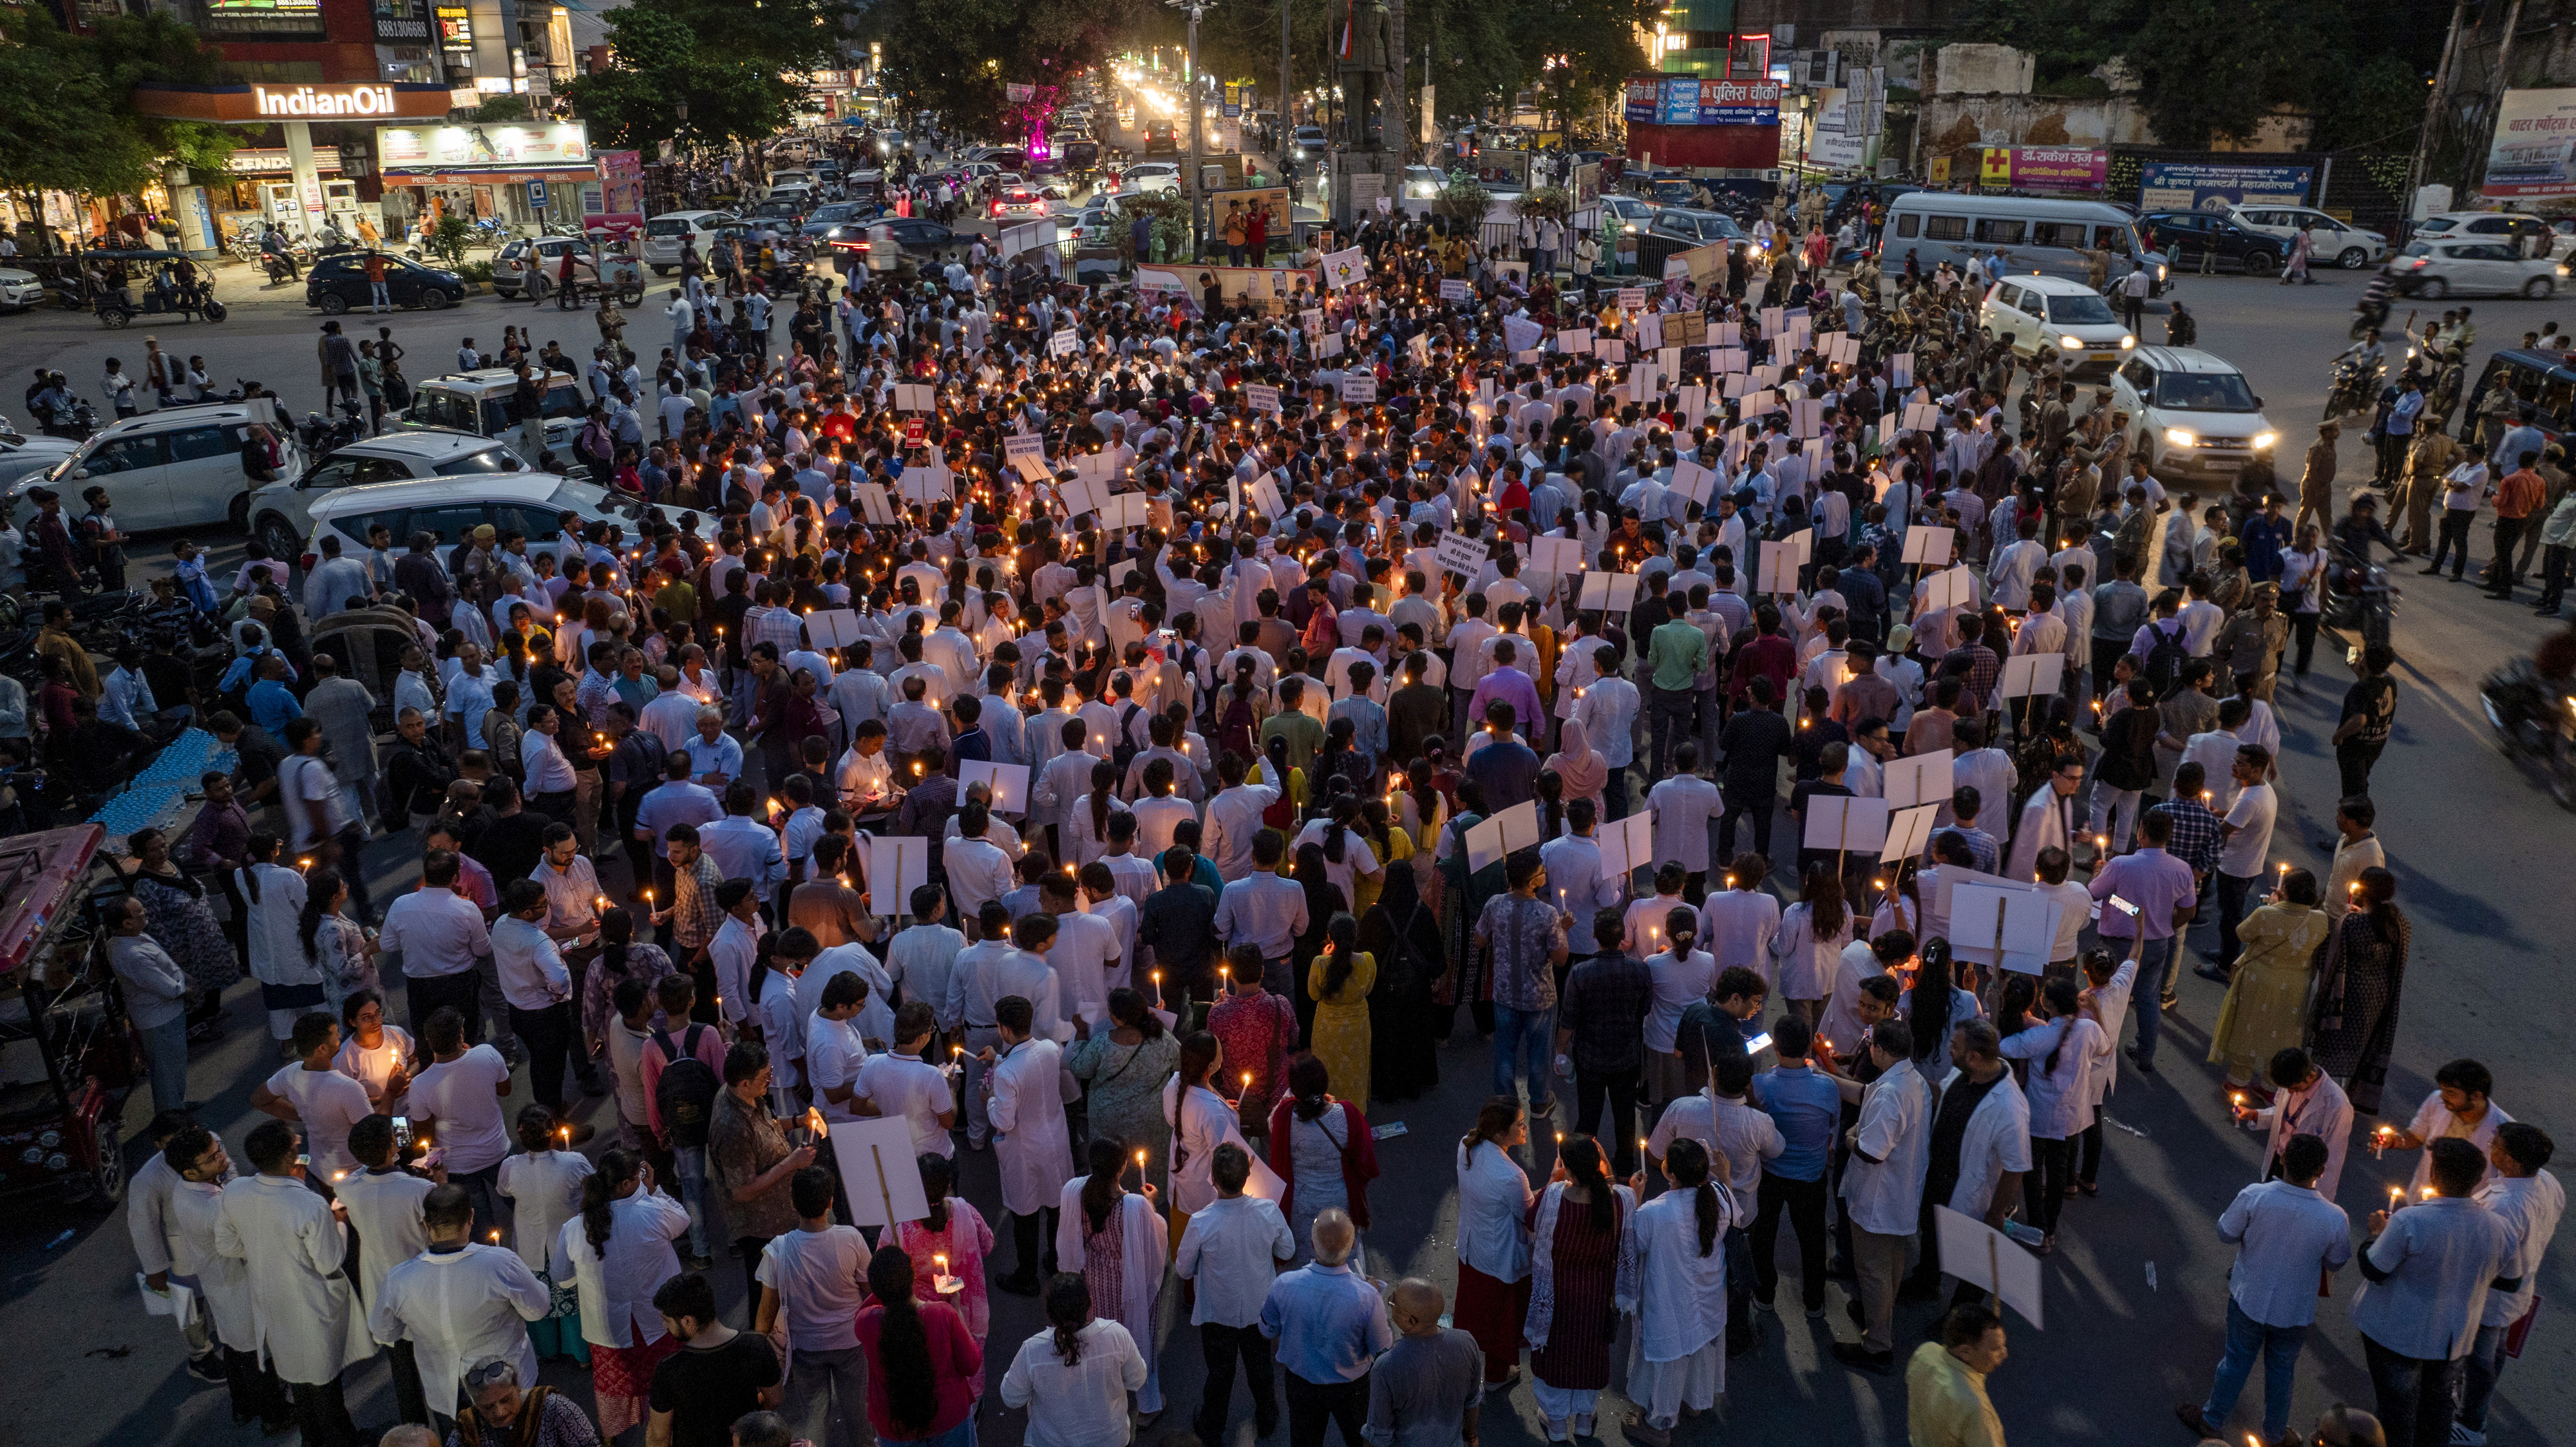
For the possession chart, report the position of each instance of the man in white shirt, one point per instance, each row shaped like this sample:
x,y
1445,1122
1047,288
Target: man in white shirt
x,y
900,1083
2244,842
833,1050
537,986
978,870
2288,1238
1574,873
457,1303
1883,1186
813,1281
2530,1202
1231,1249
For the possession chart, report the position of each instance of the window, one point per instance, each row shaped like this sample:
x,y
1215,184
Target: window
x,y
451,522
196,444
2139,375
2007,295
357,525
1945,228
2558,400
1905,224
490,459
2001,232
2069,234
125,454
339,472
2490,226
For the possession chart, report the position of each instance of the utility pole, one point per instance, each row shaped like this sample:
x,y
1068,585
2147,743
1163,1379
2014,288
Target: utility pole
x,y
1190,97
1287,103
2433,105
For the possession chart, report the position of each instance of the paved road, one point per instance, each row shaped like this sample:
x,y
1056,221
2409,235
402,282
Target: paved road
x,y
2135,1294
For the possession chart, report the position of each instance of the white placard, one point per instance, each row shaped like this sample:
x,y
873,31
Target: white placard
x,y
1064,343
834,628
1927,545
1627,845
1610,349
1950,588
1920,779
1120,571
2013,928
1778,572
874,504
928,482
1458,553
1806,418
1909,832
1079,497
1560,556
2032,675
1650,331
1027,452
1922,417
896,866
1694,401
1728,361
1987,1259
1359,388
1773,319
1096,468
1632,298
1760,403
1346,268
1608,593
1125,510
1329,345
1900,370
1726,334
1693,481
1265,496
1574,341
1485,845
1262,398
1520,334
1837,822
880,1176
1520,826
1456,289
915,397
1010,783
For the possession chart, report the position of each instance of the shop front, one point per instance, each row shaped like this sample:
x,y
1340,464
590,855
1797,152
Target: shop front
x,y
289,184
530,175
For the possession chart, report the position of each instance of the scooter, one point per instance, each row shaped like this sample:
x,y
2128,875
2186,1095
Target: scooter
x,y
2532,719
2360,597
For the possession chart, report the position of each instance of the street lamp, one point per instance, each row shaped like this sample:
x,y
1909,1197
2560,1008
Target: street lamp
x,y
1194,9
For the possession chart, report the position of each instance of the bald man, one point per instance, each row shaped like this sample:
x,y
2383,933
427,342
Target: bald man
x,y
1330,1325
1424,1392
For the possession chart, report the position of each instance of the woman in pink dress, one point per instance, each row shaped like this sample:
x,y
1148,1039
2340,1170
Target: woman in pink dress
x,y
957,1231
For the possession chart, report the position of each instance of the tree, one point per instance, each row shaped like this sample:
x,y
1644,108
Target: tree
x,y
134,50
728,64
959,57
66,104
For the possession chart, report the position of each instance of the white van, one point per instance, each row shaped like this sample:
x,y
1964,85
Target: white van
x,y
2034,235
180,467
665,234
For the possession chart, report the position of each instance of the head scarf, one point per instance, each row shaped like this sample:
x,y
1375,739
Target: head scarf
x,y
1582,769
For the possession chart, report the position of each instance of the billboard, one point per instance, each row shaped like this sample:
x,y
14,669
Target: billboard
x,y
1682,100
2192,186
2534,150
482,145
2045,168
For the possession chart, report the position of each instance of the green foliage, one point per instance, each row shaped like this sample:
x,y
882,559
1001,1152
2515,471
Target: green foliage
x,y
734,85
501,109
1544,201
65,103
447,240
475,272
957,56
1463,199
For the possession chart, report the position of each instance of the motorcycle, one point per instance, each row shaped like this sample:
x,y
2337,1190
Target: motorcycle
x,y
322,436
2355,387
2535,720
2360,598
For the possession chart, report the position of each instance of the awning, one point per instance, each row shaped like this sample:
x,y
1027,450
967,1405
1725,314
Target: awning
x,y
489,176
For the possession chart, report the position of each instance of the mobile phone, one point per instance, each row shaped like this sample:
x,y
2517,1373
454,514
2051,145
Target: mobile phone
x,y
1758,1043
2124,907
402,1132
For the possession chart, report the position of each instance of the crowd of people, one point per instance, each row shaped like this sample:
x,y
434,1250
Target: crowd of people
x,y
1134,734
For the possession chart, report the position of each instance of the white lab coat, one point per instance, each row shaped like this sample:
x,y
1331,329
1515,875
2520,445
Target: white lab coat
x,y
1029,1138
459,1307
222,1282
1493,1210
302,1310
617,1293
1678,1295
1683,807
385,1212
1997,1142
276,957
1147,1244
1807,959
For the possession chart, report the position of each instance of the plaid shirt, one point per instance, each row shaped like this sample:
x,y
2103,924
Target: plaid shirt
x,y
1984,670
694,912
1605,1004
2195,833
593,696
781,626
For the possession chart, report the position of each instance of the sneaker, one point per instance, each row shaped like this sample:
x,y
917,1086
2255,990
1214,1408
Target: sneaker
x,y
2189,1415
208,1368
2141,1061
1815,1313
2464,1435
1860,1358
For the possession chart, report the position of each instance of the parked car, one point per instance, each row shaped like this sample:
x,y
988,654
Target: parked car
x,y
20,290
2195,415
479,403
23,457
2533,235
451,507
2336,243
2192,235
510,264
664,236
1632,213
338,282
2476,266
177,468
1019,202
281,513
1698,228
2051,316
1148,176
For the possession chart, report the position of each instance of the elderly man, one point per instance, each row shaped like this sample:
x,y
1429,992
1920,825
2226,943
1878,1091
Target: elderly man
x,y
1330,1325
1427,1391
156,998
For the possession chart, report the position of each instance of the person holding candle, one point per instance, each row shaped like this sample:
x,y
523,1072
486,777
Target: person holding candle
x,y
2289,1236
1121,1068
2265,1011
1032,1148
1117,1242
2359,986
542,1182
1232,1247
950,1245
750,1158
925,1365
2427,1271
813,1282
1673,1279
1577,1227
2245,840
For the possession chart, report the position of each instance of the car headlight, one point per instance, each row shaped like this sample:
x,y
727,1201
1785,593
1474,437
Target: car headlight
x,y
2562,270
2263,441
2072,344
2126,342
2177,437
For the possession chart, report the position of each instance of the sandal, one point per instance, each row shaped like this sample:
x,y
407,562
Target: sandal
x,y
1637,1429
2090,1188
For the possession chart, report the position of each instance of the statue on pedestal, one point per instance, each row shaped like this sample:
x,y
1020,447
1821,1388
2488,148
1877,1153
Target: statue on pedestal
x,y
1365,75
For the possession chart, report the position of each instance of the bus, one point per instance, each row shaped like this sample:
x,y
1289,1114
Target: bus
x,y
2034,234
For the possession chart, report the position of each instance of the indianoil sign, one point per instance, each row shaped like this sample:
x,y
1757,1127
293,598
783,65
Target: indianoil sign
x,y
250,105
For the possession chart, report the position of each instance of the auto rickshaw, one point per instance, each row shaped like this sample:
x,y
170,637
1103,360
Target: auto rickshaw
x,y
102,281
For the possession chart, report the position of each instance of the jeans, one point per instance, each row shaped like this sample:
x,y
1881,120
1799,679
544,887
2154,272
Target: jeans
x,y
2115,813
2414,1395
2280,1347
2232,892
1312,1405
1804,1203
1523,1032
691,1164
2478,1381
548,1034
2354,761
165,1050
1621,1089
1220,1346
2052,1170
2147,996
1671,722
827,1401
2500,573
378,297
2454,533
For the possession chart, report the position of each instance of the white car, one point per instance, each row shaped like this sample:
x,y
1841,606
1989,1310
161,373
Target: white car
x,y
2052,316
2530,235
20,290
1019,201
281,513
23,457
2476,266
1148,176
449,508
2337,243
2195,417
180,467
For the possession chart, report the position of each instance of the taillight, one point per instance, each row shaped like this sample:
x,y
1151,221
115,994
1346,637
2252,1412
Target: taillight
x,y
311,561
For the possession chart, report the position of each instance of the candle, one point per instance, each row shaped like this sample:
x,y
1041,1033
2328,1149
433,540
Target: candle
x,y
939,1263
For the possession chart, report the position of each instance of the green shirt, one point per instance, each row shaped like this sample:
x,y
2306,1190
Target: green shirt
x,y
1304,734
1675,652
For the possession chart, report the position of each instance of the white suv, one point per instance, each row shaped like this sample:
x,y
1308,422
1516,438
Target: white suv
x,y
2195,417
281,513
451,507
180,467
2052,316
2337,243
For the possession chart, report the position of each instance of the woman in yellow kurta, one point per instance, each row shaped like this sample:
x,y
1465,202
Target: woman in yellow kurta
x,y
2267,997
1339,981
1391,843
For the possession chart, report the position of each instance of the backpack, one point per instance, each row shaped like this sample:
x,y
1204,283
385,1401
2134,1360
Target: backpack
x,y
2165,658
1234,730
1123,752
686,1092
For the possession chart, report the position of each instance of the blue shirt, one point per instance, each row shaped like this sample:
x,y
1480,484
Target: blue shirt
x,y
2401,418
1807,1108
273,706
1329,1323
724,756
671,804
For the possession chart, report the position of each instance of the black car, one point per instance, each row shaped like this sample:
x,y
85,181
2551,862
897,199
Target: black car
x,y
2197,234
914,234
339,283
1162,138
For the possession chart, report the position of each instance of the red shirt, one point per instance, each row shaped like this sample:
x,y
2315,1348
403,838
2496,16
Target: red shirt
x,y
956,1363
